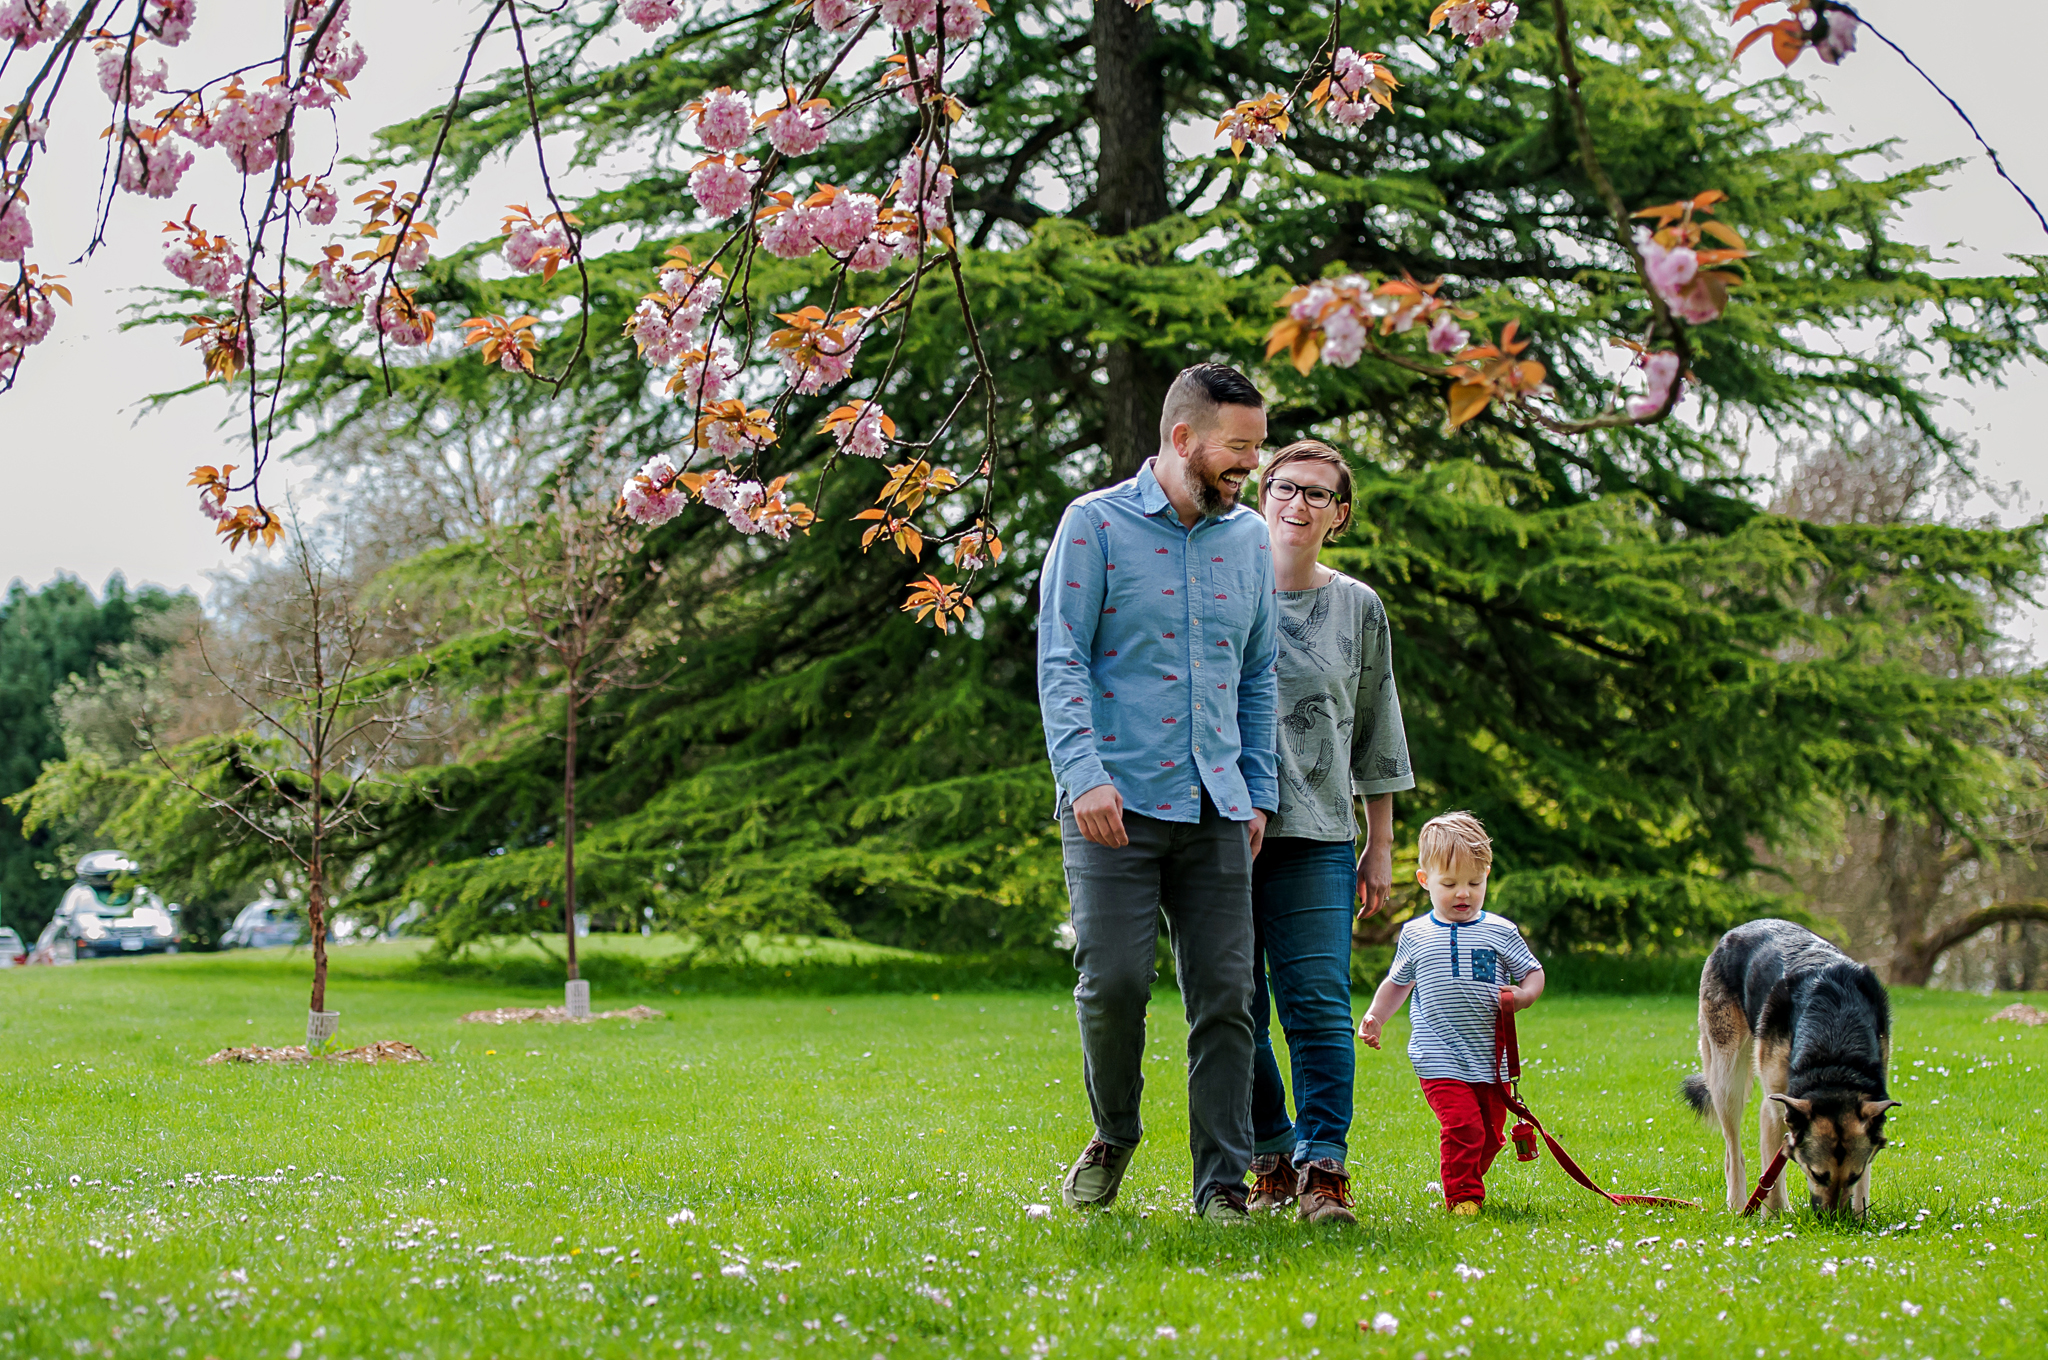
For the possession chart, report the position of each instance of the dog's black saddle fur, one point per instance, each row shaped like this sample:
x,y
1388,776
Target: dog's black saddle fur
x,y
1796,989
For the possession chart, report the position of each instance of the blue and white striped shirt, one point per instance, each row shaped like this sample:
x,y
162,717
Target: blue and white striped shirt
x,y
1158,654
1457,971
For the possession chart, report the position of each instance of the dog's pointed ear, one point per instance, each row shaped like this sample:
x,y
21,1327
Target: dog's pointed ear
x,y
1797,1112
1874,1109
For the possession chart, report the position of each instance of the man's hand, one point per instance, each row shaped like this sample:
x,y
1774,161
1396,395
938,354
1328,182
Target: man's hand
x,y
1375,879
1258,831
1369,1030
1100,815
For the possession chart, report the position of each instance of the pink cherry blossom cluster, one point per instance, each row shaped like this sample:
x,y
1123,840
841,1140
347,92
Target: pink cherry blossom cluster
x,y
528,239
245,125
1840,39
152,165
664,325
209,263
835,220
1480,22
403,321
1661,371
1675,273
1247,124
701,375
722,189
25,318
124,78
748,506
1350,74
865,436
652,495
321,203
837,16
16,235
1446,336
964,19
798,127
171,20
340,285
650,14
24,23
827,363
1339,306
725,118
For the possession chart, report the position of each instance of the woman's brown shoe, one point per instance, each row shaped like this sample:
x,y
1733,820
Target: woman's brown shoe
x,y
1325,1193
1276,1185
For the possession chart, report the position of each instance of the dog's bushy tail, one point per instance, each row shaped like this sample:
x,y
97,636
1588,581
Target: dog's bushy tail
x,y
1694,1089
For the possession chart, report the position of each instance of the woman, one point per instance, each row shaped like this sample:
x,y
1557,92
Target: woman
x,y
1340,735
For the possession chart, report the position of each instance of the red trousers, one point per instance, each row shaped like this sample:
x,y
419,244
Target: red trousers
x,y
1471,1115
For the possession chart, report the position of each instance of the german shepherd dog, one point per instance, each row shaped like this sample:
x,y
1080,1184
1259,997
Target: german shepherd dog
x,y
1821,1026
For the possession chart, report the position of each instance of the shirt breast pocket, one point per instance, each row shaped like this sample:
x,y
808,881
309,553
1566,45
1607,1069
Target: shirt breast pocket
x,y
1484,966
1234,592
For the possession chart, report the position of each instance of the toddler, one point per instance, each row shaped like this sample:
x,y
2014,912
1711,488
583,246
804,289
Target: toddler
x,y
1464,966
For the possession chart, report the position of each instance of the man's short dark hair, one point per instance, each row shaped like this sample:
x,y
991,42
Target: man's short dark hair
x,y
1198,391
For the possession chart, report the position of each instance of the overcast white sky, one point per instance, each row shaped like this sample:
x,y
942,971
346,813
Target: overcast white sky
x,y
95,484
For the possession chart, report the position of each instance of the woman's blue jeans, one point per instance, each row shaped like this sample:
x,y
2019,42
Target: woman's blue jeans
x,y
1302,893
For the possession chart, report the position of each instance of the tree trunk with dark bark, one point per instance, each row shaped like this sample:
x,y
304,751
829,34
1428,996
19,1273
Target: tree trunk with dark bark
x,y
1130,192
1915,863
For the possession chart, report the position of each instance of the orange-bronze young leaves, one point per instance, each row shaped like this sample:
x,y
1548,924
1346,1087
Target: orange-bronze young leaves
x,y
501,339
1484,374
945,605
249,525
844,417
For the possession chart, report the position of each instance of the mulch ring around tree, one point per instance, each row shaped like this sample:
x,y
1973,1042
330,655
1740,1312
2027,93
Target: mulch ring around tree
x,y
383,1051
557,1015
2020,1013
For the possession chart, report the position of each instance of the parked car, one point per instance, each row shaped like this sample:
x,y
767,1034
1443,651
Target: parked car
x,y
266,923
13,952
97,918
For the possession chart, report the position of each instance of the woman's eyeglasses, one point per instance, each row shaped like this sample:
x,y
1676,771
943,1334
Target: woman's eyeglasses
x,y
1280,489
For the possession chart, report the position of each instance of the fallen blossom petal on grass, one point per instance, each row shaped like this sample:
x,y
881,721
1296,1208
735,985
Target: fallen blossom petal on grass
x,y
384,1050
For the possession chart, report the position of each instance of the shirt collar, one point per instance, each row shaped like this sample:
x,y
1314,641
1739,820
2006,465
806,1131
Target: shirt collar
x,y
1442,924
1151,495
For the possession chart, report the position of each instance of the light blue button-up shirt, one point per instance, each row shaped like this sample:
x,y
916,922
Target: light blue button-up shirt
x,y
1158,656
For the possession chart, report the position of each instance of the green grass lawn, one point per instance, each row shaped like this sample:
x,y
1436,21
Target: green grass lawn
x,y
849,1176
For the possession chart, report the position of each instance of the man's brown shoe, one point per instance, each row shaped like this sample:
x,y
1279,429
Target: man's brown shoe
x,y
1325,1193
1276,1185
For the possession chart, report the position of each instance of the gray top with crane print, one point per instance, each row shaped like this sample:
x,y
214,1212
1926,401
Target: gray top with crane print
x,y
1340,729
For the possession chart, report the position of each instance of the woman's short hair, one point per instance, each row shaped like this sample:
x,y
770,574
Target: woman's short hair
x,y
1451,838
1313,451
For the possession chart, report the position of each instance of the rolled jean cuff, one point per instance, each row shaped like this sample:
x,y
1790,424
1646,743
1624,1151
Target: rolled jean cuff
x,y
1282,1143
1304,1153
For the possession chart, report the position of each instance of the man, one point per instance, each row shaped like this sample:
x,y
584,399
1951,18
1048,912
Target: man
x,y
1156,655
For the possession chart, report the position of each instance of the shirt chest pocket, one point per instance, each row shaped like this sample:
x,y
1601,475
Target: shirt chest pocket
x,y
1485,966
1233,589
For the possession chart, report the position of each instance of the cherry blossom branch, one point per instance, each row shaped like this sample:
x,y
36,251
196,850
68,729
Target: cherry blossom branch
x,y
1996,164
569,228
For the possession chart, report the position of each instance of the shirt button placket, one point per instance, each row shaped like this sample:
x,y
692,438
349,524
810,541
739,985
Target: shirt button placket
x,y
1196,614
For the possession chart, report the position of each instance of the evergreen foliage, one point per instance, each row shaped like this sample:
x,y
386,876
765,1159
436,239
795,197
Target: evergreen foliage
x,y
48,637
1605,648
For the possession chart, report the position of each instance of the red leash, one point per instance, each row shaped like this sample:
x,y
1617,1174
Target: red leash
x,y
1505,1048
1766,1182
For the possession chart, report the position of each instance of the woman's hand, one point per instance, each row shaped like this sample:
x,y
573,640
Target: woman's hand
x,y
1375,880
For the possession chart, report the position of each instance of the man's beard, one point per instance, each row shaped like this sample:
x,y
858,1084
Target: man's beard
x,y
1208,495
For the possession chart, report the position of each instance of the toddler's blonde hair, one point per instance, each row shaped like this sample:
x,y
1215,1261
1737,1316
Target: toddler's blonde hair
x,y
1453,837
